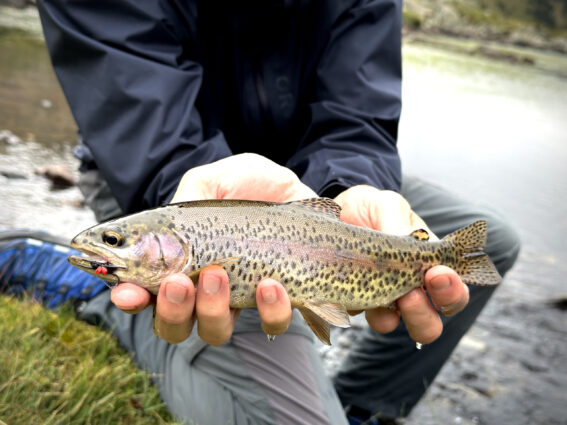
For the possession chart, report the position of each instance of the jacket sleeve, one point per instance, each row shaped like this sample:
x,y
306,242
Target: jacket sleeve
x,y
125,71
356,106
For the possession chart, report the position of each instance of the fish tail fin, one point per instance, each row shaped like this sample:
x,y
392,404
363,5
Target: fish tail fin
x,y
473,264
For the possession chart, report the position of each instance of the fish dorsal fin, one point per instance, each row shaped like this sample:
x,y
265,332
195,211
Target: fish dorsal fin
x,y
325,206
319,315
420,235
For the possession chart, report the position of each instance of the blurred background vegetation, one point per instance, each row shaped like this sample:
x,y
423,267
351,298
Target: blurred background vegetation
x,y
541,23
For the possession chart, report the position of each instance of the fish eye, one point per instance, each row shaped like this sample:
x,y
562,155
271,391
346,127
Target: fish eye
x,y
112,239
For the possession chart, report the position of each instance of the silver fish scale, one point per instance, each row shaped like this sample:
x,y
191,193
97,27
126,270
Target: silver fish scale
x,y
314,255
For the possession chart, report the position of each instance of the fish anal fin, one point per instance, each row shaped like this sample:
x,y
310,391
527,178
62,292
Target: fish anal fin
x,y
319,315
325,206
334,313
420,235
319,326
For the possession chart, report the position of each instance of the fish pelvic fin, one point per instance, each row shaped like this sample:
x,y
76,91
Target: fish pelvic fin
x,y
319,317
473,264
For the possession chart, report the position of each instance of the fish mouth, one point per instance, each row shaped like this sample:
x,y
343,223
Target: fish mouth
x,y
97,265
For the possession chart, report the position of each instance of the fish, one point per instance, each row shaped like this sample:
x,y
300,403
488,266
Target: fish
x,y
326,265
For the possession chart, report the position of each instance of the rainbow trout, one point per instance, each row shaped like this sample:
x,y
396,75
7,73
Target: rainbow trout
x,y
326,265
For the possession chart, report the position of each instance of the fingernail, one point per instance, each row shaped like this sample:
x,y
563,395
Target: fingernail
x,y
175,293
269,294
211,284
449,310
124,298
441,282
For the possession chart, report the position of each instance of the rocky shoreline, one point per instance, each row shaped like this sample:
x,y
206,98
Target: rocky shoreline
x,y
422,19
466,20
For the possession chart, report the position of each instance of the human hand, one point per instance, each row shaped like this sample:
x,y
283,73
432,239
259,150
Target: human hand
x,y
244,176
389,212
179,303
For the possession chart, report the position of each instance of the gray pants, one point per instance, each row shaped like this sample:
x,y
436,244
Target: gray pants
x,y
252,381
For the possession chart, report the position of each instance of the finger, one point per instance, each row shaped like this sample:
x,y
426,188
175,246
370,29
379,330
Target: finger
x,y
393,213
421,319
396,216
130,298
449,294
174,308
278,183
214,317
197,183
274,307
383,320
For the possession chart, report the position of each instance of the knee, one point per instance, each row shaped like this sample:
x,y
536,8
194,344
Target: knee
x,y
503,242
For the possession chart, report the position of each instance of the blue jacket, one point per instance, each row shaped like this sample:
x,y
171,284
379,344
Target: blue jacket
x,y
158,87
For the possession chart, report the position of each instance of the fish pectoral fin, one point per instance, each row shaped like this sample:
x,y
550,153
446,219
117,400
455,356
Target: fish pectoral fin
x,y
225,263
420,235
320,315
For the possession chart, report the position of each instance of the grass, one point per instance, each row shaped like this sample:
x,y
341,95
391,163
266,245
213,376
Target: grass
x,y
57,370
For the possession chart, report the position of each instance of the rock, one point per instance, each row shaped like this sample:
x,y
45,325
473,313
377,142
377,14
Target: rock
x,y
59,175
560,302
505,56
9,138
46,103
468,18
12,175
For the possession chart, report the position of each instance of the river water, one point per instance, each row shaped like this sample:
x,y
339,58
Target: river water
x,y
492,131
496,133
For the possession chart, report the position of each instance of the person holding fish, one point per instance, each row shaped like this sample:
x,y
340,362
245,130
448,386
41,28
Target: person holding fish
x,y
275,101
